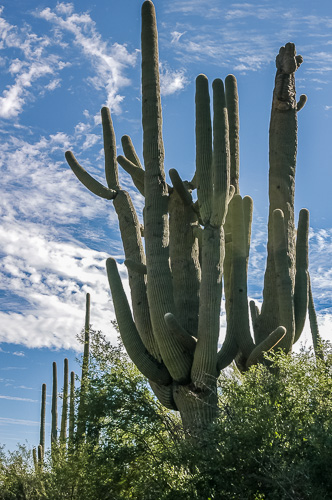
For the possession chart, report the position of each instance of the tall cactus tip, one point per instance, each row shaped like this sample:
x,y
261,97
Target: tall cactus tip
x,y
147,4
217,83
201,78
147,7
230,79
105,112
110,264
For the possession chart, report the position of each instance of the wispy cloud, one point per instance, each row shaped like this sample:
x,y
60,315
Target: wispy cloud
x,y
36,64
8,368
19,421
15,353
171,81
245,36
194,7
109,61
176,35
245,10
14,398
52,277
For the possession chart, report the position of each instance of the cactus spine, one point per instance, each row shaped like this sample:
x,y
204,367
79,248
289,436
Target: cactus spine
x,y
176,283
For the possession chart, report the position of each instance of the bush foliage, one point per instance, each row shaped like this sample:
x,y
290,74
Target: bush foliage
x,y
272,439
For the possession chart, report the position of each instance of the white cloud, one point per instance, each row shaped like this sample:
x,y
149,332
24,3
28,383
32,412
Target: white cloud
x,y
232,34
109,62
194,7
239,11
54,84
49,190
51,277
36,64
176,35
13,398
65,8
171,81
90,140
19,421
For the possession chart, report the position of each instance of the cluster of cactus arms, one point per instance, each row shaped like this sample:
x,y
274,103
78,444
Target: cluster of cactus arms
x,y
192,247
76,425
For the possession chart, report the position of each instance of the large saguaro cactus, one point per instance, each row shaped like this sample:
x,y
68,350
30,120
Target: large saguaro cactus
x,y
176,280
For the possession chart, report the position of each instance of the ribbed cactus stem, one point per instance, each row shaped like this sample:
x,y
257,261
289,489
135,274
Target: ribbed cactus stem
x,y
228,351
232,101
184,257
316,338
301,292
81,424
136,267
204,368
85,364
35,458
40,452
129,150
153,148
248,206
181,189
42,419
282,158
203,148
267,345
150,367
136,173
71,408
156,226
164,394
239,278
64,415
87,180
188,342
221,156
111,171
283,279
54,410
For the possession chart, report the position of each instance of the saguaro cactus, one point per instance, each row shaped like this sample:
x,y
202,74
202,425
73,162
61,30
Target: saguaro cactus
x,y
280,277
54,409
81,424
176,283
41,447
71,427
64,414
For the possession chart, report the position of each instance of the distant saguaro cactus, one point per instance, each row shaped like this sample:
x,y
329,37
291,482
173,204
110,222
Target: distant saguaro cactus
x,y
64,413
176,280
54,409
76,423
38,457
81,423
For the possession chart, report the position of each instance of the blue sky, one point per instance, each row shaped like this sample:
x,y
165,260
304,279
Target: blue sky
x,y
60,63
